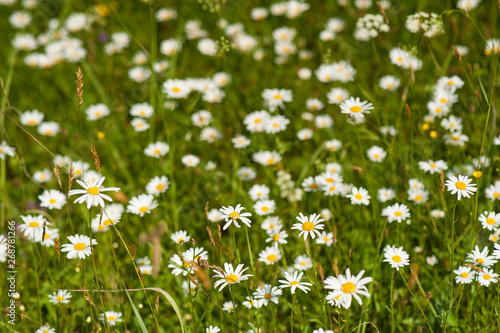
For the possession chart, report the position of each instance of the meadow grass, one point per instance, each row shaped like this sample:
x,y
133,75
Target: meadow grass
x,y
172,290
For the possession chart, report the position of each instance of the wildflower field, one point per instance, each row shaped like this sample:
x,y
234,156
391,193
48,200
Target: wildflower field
x,y
249,166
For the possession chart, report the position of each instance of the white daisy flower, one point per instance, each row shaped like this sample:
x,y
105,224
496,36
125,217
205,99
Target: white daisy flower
x,y
270,255
142,110
481,258
302,263
267,294
158,185
490,220
348,286
190,160
33,226
157,149
396,256
461,186
31,118
276,235
293,281
180,237
396,212
233,214
52,199
45,329
92,193
230,275
309,225
60,297
355,108
142,204
486,277
465,275
359,196
79,246
264,207
112,317
325,238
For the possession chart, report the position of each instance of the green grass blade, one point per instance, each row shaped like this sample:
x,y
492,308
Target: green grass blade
x,y
137,314
172,302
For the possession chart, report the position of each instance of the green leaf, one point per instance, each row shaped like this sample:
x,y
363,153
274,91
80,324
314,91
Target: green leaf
x,y
172,303
137,315
484,92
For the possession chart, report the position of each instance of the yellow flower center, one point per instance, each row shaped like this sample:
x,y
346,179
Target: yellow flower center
x,y
396,258
102,227
464,275
271,257
418,198
443,100
294,283
60,298
52,201
490,221
438,110
480,261
176,89
32,122
143,209
267,296
399,59
308,226
326,239
276,237
109,222
265,209
47,236
358,196
376,156
451,83
398,214
477,174
270,161
34,224
160,187
314,186
80,246
258,120
496,195
234,215
231,278
348,287
390,85
111,318
355,109
93,190
157,151
460,185
486,277
277,96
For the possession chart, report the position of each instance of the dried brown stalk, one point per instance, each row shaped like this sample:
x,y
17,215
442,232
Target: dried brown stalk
x,y
79,86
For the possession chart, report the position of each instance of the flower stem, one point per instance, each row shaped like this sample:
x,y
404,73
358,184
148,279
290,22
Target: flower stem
x,y
416,301
249,249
